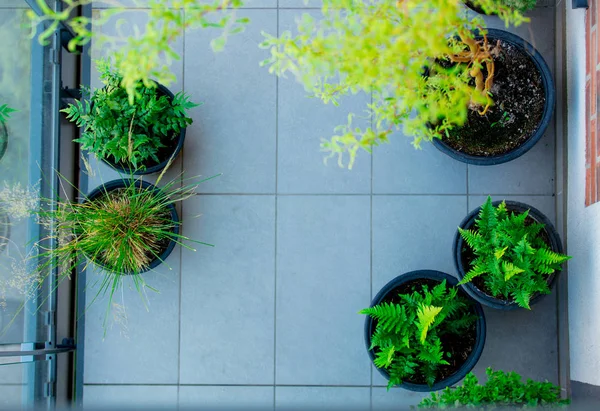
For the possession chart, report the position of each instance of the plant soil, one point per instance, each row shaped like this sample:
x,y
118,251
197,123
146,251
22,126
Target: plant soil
x,y
467,256
519,100
459,346
163,243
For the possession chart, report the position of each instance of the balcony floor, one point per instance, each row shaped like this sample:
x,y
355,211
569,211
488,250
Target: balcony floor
x,y
268,317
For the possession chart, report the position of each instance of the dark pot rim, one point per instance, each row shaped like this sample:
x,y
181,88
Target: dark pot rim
x,y
4,229
480,326
3,140
160,166
476,293
550,94
122,183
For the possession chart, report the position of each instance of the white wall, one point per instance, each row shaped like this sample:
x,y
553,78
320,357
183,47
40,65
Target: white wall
x,y
583,224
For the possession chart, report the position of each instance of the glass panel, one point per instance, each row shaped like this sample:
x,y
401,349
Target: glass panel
x,y
24,68
22,384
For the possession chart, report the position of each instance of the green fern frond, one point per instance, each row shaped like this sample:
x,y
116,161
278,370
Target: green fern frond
x,y
510,270
473,272
384,357
390,316
426,315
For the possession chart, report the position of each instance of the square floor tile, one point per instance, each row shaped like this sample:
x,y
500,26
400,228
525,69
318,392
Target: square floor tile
x,y
227,298
303,122
130,397
300,4
532,173
412,233
346,398
399,168
323,280
225,397
141,343
396,399
234,131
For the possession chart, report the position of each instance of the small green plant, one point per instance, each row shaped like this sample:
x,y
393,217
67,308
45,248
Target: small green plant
x,y
150,51
123,133
521,6
511,254
5,112
407,340
382,48
501,389
504,120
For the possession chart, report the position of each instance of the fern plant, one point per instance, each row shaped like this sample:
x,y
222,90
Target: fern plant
x,y
408,337
124,133
501,389
510,254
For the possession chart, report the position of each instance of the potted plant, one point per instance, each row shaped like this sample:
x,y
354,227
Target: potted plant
x,y
5,112
523,102
436,80
126,227
507,254
422,332
502,389
141,137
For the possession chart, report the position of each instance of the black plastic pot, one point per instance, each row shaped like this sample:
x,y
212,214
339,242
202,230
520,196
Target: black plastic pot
x,y
116,184
481,329
550,94
477,9
176,144
3,139
469,221
4,230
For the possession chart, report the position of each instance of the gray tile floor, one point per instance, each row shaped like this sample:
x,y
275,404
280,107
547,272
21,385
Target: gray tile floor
x,y
268,317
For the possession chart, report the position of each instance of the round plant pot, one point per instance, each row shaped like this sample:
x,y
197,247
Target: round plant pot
x,y
3,139
4,229
472,358
172,149
459,247
547,84
117,184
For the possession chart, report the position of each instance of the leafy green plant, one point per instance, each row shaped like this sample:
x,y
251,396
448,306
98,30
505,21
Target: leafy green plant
x,y
408,337
124,133
122,231
382,47
510,254
501,389
5,112
149,52
521,6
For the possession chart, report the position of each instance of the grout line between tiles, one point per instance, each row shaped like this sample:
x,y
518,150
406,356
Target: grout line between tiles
x,y
371,257
232,385
276,221
182,205
377,194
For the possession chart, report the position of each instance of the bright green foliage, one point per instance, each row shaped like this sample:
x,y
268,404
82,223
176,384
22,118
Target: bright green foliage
x,y
122,230
501,389
407,340
148,53
511,254
123,133
383,47
5,112
521,6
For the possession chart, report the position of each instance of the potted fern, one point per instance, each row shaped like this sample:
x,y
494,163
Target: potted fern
x,y
423,332
139,136
469,101
507,254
